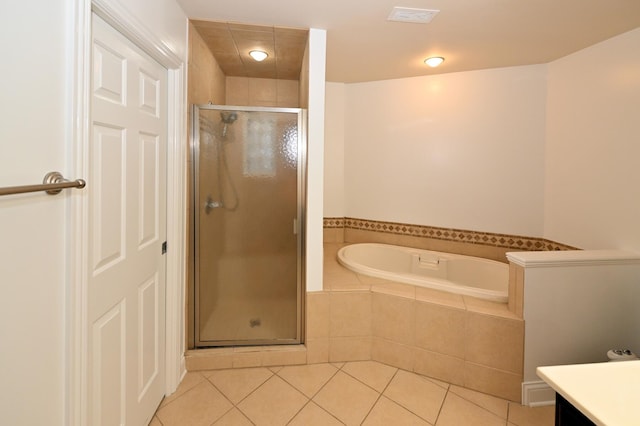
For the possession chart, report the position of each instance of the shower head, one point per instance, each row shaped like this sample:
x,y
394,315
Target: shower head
x,y
228,117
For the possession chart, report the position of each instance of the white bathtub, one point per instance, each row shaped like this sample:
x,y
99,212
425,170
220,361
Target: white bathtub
x,y
465,275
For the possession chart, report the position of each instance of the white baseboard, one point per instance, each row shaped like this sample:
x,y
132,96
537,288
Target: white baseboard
x,y
537,394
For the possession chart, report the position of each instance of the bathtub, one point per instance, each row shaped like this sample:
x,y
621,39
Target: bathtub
x,y
454,273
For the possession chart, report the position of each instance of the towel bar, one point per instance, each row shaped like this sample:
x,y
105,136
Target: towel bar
x,y
53,183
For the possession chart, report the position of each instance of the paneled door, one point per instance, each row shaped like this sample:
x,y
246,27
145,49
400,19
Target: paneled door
x,y
127,228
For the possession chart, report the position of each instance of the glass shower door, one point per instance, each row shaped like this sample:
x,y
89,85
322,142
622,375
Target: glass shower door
x,y
248,194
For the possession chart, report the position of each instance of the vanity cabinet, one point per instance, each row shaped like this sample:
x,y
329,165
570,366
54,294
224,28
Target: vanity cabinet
x,y
568,415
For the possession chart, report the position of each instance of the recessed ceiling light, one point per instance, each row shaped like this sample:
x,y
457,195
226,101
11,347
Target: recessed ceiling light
x,y
434,61
258,55
409,14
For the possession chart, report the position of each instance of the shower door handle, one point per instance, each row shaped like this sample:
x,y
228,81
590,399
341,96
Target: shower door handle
x,y
210,205
295,226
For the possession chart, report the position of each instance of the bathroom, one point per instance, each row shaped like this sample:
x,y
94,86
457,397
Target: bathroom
x,y
579,168
442,146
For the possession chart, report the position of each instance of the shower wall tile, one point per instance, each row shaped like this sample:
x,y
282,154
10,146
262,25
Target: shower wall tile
x,y
263,92
287,93
237,91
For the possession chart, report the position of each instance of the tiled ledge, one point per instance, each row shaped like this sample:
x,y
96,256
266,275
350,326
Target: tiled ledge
x,y
462,340
511,242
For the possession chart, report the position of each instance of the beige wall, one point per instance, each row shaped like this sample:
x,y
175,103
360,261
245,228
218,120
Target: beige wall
x,y
460,150
334,150
592,146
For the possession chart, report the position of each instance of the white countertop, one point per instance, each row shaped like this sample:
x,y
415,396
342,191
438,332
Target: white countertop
x,y
608,393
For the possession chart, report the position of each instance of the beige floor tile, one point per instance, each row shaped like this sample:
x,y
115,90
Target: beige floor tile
x,y
155,422
371,373
190,380
346,398
233,418
308,379
496,405
237,384
202,405
313,415
387,412
274,403
416,394
527,416
457,411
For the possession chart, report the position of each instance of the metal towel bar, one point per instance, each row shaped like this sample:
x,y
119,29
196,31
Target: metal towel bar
x,y
53,183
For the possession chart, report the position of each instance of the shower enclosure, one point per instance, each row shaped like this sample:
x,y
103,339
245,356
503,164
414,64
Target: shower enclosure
x,y
248,198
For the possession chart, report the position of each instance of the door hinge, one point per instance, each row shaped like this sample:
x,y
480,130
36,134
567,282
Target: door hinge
x,y
164,247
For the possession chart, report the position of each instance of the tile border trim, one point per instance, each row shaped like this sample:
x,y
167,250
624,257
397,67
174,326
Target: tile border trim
x,y
515,242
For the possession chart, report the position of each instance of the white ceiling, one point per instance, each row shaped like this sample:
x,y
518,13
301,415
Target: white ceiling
x,y
471,34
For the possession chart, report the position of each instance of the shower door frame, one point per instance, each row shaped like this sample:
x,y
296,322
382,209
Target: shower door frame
x,y
300,217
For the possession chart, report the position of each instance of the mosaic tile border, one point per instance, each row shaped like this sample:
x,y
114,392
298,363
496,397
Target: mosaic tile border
x,y
515,242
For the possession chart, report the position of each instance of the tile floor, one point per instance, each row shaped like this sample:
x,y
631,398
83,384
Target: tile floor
x,y
352,393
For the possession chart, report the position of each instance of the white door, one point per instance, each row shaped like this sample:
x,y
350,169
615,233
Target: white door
x,y
127,228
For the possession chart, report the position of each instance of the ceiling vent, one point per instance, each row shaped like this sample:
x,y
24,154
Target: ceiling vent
x,y
408,14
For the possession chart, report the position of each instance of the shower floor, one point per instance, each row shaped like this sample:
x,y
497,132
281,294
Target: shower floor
x,y
249,320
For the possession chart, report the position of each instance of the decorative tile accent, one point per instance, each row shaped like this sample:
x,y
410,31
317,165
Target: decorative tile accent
x,y
515,242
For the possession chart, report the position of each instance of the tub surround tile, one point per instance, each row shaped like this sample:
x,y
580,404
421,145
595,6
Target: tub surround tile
x,y
389,287
438,297
392,353
496,309
516,289
439,366
384,229
493,381
394,318
440,329
495,342
350,314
